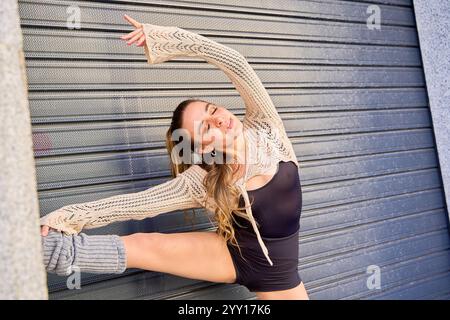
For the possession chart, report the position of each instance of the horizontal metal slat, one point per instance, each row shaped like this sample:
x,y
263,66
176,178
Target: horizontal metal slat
x,y
126,135
76,44
317,222
136,286
406,3
105,164
409,273
336,193
420,289
320,9
55,107
356,121
337,146
134,76
83,170
362,237
106,16
383,255
52,200
53,173
216,292
361,191
336,169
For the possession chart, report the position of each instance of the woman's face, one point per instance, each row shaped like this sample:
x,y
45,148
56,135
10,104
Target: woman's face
x,y
211,126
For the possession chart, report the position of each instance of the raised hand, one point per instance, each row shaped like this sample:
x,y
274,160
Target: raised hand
x,y
134,36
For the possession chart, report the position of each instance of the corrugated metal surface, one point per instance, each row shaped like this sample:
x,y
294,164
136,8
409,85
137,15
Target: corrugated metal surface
x,y
353,101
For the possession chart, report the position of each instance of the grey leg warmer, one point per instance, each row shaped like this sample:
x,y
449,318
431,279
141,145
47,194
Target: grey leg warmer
x,y
91,254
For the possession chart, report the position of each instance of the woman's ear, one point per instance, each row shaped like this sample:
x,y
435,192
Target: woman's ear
x,y
209,147
206,149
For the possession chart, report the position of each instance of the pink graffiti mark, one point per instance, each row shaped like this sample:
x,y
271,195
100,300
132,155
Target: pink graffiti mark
x,y
41,142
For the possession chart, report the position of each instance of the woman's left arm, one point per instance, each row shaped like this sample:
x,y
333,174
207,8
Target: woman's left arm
x,y
180,193
162,43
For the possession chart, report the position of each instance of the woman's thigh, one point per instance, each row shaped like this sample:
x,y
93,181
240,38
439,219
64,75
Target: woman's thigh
x,y
196,255
297,293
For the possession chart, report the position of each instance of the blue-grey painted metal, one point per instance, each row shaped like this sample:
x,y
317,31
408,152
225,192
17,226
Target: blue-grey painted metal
x,y
353,101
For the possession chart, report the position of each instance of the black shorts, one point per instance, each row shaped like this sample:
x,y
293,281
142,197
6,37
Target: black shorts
x,y
255,272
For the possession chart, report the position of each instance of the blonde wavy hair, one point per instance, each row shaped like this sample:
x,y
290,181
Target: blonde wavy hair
x,y
218,181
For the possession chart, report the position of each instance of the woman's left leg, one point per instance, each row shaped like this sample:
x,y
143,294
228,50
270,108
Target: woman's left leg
x,y
297,293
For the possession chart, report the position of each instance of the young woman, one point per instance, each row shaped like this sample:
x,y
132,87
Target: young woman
x,y
246,176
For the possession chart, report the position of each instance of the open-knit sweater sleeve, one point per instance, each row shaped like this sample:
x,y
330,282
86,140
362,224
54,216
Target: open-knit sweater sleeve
x,y
179,193
166,42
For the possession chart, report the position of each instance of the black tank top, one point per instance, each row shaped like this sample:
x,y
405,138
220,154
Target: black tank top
x,y
276,205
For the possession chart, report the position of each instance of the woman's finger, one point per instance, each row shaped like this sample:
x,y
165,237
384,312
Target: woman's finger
x,y
141,41
132,21
129,35
136,37
44,230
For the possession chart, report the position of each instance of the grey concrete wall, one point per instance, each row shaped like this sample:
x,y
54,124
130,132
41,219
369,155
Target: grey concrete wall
x,y
433,25
22,274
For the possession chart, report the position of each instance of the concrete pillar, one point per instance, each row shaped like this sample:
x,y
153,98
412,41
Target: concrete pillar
x,y
433,26
22,274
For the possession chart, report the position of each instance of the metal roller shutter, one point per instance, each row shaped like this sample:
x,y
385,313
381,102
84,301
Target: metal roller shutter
x,y
353,101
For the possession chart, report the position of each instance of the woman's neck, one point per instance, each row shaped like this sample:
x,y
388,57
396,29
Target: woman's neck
x,y
239,154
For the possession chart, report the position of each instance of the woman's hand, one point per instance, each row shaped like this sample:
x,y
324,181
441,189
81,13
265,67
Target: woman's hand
x,y
69,219
136,35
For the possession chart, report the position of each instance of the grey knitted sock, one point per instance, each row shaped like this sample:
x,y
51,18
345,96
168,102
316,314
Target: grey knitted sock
x,y
92,254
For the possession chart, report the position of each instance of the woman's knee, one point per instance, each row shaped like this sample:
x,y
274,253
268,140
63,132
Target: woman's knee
x,y
142,240
142,248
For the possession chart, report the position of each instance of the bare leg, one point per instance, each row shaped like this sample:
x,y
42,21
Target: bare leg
x,y
194,255
297,293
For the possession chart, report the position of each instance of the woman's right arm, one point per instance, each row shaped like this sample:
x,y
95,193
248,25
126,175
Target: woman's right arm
x,y
163,43
182,192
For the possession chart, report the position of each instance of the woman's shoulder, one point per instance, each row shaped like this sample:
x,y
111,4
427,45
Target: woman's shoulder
x,y
268,143
194,175
195,170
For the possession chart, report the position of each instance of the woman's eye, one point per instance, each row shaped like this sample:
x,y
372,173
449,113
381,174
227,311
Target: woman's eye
x,y
207,128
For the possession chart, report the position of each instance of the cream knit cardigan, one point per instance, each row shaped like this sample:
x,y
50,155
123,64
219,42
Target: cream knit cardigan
x,y
266,140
